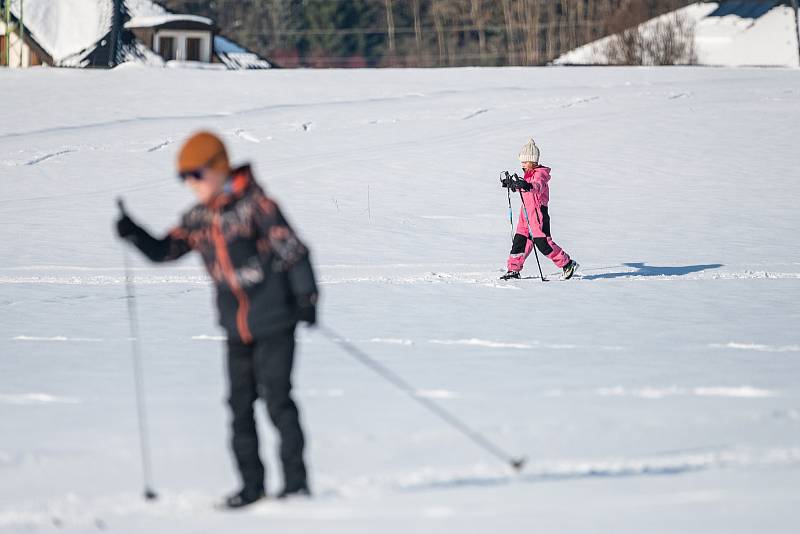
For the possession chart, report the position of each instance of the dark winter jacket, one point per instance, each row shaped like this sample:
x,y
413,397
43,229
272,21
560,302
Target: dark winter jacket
x,y
261,270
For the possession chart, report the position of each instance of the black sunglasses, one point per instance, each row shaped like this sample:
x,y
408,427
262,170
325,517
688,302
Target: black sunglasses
x,y
197,174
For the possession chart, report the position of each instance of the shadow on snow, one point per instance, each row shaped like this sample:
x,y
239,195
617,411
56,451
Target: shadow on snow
x,y
643,269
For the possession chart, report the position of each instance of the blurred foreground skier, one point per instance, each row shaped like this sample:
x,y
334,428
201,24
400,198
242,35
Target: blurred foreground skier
x,y
535,217
265,285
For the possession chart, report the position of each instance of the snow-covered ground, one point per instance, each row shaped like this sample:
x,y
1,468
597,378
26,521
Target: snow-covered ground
x,y
731,40
659,393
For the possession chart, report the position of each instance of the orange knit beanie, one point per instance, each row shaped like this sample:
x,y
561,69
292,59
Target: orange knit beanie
x,y
203,149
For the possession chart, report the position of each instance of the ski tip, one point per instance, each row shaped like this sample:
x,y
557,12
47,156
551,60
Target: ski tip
x,y
518,464
121,204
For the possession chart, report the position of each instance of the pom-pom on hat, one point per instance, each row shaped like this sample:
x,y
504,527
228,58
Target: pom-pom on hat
x,y
529,152
203,149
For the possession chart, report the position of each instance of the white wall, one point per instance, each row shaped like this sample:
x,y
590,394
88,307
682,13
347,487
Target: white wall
x,y
16,45
181,37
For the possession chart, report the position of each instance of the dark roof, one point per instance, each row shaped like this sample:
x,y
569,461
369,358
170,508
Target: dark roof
x,y
747,9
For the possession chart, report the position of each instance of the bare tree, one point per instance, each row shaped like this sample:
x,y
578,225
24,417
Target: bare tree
x,y
511,38
390,25
417,27
671,42
476,13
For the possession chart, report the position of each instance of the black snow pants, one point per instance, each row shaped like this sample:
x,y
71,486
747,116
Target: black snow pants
x,y
263,369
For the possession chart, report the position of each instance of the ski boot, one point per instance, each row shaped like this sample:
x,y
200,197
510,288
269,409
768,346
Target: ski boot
x,y
510,275
245,497
569,270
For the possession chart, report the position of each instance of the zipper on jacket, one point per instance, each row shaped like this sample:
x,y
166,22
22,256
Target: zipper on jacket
x,y
224,259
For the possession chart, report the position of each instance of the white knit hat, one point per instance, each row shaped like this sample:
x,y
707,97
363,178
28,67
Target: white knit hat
x,y
529,152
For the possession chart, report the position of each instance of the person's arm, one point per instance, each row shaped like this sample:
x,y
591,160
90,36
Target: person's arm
x,y
536,185
174,245
291,256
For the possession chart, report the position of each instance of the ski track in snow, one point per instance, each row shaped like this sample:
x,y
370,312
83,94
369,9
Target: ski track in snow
x,y
476,113
161,145
755,347
437,394
391,341
23,399
104,280
50,155
333,500
245,135
58,338
744,392
676,96
578,101
539,472
481,343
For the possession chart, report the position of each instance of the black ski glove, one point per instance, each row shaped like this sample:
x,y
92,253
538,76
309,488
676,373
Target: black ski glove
x,y
126,228
307,309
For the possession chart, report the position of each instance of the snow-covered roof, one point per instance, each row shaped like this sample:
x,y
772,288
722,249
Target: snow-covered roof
x,y
739,33
733,40
76,33
160,20
237,57
144,8
65,27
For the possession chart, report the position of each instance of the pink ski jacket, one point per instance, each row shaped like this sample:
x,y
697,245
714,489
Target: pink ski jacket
x,y
539,195
536,203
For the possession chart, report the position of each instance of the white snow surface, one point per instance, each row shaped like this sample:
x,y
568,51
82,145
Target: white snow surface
x,y
769,40
658,392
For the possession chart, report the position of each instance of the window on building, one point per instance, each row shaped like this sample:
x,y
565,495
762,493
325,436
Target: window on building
x,y
166,47
193,49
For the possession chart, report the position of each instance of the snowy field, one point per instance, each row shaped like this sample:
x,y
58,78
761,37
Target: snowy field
x,y
658,393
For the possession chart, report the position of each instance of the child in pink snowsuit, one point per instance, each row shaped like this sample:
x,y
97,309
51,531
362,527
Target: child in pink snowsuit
x,y
535,206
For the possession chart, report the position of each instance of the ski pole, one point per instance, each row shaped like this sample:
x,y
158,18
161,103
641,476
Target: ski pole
x,y
530,233
510,213
516,463
149,493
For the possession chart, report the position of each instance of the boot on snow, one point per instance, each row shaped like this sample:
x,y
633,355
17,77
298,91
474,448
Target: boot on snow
x,y
243,498
510,275
569,270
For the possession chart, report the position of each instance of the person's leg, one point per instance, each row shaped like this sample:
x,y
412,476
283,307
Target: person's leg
x,y
549,248
545,243
274,360
521,246
520,249
244,438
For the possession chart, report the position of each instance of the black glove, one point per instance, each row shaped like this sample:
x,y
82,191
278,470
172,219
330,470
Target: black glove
x,y
307,309
126,228
514,182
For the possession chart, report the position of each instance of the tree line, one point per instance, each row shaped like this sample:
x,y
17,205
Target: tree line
x,y
418,33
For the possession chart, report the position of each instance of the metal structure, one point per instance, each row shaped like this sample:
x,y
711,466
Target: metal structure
x,y
7,4
10,27
797,30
